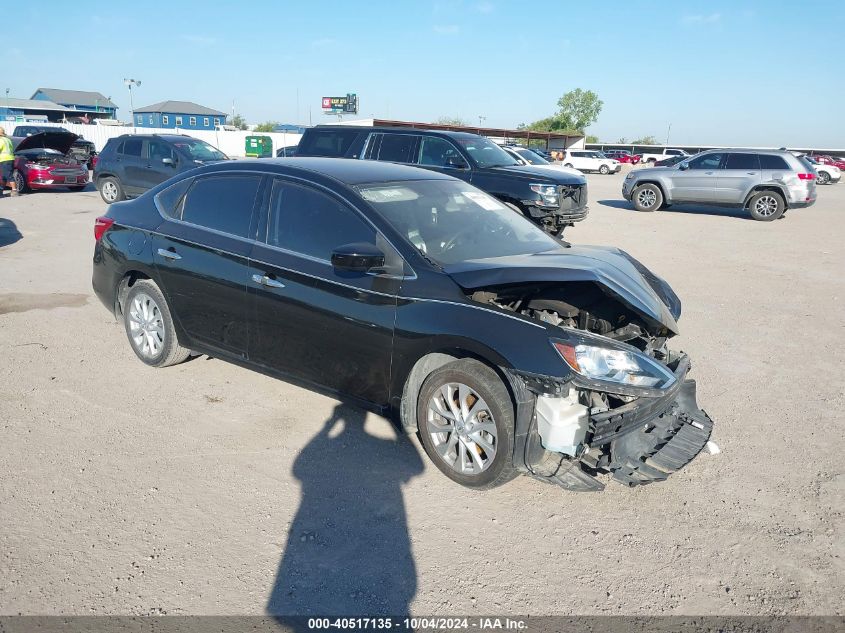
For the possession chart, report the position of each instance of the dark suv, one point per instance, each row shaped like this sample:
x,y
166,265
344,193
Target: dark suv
x,y
132,163
550,198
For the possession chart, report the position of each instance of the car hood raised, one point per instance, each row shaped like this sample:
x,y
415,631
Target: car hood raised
x,y
530,172
59,141
614,270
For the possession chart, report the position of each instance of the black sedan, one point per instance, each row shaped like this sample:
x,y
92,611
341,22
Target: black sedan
x,y
420,297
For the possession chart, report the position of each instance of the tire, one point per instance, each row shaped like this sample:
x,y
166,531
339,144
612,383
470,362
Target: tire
x,y
110,190
823,178
149,326
77,188
470,442
766,206
665,205
647,197
569,165
20,181
604,170
651,162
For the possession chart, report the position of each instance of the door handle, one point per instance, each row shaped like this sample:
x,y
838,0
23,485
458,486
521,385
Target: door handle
x,y
752,173
264,280
169,254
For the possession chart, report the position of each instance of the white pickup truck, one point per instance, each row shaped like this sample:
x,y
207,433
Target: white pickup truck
x,y
666,153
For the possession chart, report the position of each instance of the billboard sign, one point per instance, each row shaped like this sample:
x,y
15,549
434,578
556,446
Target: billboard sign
x,y
341,105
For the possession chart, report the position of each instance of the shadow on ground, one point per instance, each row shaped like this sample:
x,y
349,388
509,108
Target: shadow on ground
x,y
348,550
727,212
9,233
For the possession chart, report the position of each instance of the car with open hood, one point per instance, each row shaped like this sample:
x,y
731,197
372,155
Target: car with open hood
x,y
416,295
82,150
552,199
42,162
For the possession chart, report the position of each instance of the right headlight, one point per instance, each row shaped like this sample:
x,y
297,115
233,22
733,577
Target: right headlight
x,y
629,176
548,193
613,367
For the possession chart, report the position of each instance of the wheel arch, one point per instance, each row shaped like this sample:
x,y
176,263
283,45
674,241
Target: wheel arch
x,y
653,181
130,277
768,187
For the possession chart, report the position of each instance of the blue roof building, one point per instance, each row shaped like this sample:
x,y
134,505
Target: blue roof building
x,y
79,102
178,114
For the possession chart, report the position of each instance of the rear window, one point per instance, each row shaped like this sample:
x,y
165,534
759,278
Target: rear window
x,y
771,161
222,203
333,143
743,161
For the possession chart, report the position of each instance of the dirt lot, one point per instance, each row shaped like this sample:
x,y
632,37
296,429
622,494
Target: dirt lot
x,y
206,488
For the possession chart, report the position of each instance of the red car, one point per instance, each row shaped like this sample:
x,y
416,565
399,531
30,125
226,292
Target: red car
x,y
623,156
825,159
41,162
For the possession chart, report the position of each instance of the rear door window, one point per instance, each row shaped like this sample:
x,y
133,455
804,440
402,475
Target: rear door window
x,y
132,147
397,148
743,161
222,203
771,161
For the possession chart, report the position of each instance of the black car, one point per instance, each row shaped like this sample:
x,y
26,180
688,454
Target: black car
x,y
131,164
286,152
420,297
81,150
550,199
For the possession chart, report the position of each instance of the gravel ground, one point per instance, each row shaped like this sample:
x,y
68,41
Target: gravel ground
x,y
210,489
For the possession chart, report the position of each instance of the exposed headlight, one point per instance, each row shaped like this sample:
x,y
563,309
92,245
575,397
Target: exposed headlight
x,y
548,193
616,364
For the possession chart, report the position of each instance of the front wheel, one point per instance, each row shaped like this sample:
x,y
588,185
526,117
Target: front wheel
x,y
568,165
766,206
604,169
647,197
149,326
20,182
823,178
466,424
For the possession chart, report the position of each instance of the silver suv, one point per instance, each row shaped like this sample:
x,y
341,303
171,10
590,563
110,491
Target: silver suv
x,y
766,182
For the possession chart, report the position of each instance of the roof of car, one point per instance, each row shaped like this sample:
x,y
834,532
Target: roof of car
x,y
343,170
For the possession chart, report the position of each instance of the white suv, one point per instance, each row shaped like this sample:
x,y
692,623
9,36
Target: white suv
x,y
587,160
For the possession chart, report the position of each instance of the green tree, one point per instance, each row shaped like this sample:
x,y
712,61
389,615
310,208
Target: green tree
x,y
239,122
577,110
592,138
645,140
267,126
451,120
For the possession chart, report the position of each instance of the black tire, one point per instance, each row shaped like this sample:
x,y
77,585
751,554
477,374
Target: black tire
x,y
604,169
651,162
170,352
569,165
110,190
823,178
766,206
665,205
77,188
647,197
483,381
20,181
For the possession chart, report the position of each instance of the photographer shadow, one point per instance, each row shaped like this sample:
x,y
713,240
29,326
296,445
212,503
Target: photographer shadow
x,y
348,550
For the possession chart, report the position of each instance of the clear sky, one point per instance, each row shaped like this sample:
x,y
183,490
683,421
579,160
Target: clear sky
x,y
741,72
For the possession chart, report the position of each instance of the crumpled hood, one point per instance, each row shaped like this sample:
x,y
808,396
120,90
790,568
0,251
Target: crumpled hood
x,y
613,269
59,141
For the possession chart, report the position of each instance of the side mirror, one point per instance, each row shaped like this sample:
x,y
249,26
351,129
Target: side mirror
x,y
358,257
456,162
683,166
168,161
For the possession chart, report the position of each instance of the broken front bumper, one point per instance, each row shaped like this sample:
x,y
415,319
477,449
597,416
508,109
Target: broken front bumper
x,y
641,442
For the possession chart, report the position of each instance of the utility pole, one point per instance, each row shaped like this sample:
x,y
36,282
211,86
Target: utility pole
x,y
7,104
129,83
481,120
668,132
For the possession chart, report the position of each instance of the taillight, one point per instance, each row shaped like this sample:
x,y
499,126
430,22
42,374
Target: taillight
x,y
101,225
807,176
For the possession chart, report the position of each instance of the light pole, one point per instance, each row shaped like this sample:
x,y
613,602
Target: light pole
x,y
129,83
481,120
6,116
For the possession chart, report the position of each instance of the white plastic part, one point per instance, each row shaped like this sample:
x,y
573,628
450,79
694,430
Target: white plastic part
x,y
562,423
712,447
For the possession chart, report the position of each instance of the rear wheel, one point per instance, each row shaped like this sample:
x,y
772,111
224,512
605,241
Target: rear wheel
x,y
647,197
20,181
766,206
604,169
111,190
149,326
466,424
823,178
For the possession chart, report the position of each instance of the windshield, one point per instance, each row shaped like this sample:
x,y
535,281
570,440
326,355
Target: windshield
x,y
199,150
450,222
486,153
531,157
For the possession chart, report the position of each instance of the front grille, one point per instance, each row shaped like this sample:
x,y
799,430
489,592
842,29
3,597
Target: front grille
x,y
65,172
573,202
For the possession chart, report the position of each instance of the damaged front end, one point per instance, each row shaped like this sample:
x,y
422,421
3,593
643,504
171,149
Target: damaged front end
x,y
622,403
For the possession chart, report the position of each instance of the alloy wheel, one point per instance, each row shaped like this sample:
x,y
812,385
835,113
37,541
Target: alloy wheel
x,y
647,198
766,206
146,325
109,190
20,181
462,428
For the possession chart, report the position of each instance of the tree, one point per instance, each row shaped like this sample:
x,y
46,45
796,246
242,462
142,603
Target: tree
x,y
645,140
577,110
451,120
592,138
267,126
238,122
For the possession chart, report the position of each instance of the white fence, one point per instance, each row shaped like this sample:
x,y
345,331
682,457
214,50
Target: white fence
x,y
230,143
